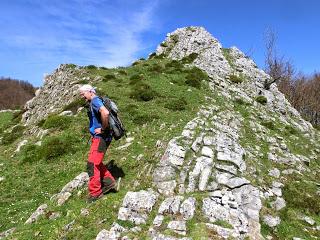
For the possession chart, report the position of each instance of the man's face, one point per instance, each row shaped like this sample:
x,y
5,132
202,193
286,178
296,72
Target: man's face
x,y
85,95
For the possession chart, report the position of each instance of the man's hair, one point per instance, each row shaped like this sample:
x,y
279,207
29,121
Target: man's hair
x,y
87,87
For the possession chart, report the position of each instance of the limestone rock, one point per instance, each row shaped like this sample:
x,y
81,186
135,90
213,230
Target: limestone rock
x,y
188,208
271,221
41,210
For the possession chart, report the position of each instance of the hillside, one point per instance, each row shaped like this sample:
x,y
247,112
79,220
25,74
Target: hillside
x,y
210,153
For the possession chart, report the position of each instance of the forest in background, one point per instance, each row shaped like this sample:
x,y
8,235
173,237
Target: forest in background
x,y
14,93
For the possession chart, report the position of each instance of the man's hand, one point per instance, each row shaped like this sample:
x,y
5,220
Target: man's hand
x,y
98,131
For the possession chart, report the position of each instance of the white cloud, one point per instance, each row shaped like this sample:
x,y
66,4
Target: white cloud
x,y
86,32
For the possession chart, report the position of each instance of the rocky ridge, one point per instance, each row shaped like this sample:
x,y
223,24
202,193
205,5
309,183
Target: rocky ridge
x,y
207,173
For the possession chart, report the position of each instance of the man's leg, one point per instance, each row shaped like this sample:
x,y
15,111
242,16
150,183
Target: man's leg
x,y
95,158
108,181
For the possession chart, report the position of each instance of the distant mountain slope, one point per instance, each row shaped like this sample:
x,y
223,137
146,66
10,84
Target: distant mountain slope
x,y
14,93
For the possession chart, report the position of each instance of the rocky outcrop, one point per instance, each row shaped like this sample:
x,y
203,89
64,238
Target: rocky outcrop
x,y
59,89
208,172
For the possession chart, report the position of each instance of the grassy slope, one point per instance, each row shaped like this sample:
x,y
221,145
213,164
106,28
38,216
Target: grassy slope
x,y
36,173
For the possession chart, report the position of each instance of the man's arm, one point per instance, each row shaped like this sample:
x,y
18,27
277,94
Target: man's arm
x,y
104,117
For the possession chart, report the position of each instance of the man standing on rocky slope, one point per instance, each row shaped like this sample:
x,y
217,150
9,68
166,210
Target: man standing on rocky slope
x,y
100,179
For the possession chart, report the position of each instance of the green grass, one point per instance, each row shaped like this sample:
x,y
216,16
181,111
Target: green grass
x,y
5,120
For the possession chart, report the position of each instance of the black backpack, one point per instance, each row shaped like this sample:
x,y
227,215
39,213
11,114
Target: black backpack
x,y
115,124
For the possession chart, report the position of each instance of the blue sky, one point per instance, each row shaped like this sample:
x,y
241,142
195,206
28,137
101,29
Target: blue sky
x,y
37,35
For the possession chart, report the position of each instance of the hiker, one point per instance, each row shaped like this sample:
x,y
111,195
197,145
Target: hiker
x,y
100,179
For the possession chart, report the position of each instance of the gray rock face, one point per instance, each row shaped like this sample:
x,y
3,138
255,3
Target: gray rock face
x,y
41,210
188,208
170,205
211,168
66,191
271,221
7,233
137,205
61,85
197,40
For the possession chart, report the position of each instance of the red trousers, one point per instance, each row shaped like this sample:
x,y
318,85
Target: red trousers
x,y
96,170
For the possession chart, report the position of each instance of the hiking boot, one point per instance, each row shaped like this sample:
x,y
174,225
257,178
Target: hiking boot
x,y
110,185
92,199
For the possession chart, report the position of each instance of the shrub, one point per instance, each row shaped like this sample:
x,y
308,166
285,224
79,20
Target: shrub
x,y
195,76
289,130
174,38
262,100
176,65
108,77
136,78
75,105
152,55
30,153
176,104
57,121
156,68
269,125
160,56
190,58
193,81
71,65
302,195
10,137
83,81
91,67
143,92
122,72
56,146
164,44
235,79
135,63
141,59
104,68
142,118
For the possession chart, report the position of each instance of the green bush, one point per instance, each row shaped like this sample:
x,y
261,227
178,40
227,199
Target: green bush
x,y
30,153
195,76
152,55
302,195
164,44
289,130
71,65
156,68
174,38
190,58
75,105
174,67
122,72
91,67
136,78
268,124
143,92
262,100
179,104
56,146
104,68
10,137
135,63
57,121
235,79
83,81
142,118
108,77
